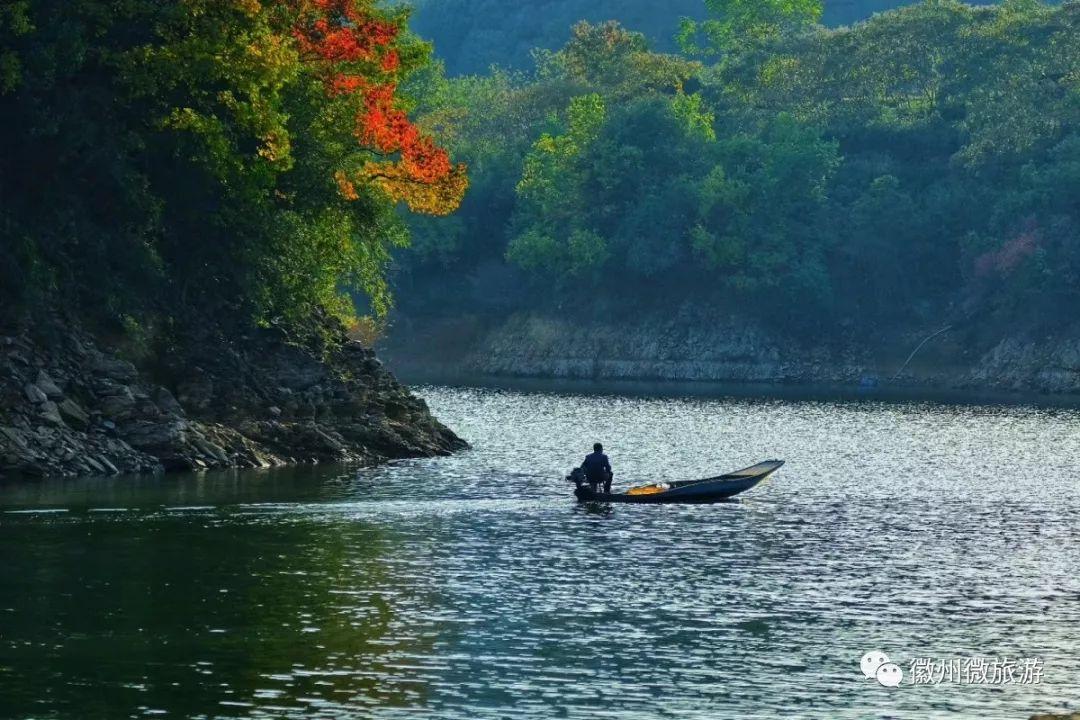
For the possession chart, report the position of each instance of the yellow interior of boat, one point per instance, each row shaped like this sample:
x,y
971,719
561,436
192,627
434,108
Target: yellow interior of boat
x,y
646,490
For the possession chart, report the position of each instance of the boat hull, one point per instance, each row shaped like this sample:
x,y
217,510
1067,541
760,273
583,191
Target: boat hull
x,y
695,492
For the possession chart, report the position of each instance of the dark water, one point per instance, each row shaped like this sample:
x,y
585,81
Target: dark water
x,y
472,587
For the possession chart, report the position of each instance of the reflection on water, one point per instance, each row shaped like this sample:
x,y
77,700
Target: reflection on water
x,y
473,587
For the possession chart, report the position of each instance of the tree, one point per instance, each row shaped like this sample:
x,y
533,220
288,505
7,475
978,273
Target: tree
x,y
553,201
243,155
736,25
762,209
887,173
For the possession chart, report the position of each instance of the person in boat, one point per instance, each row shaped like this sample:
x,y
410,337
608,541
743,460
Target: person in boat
x,y
597,469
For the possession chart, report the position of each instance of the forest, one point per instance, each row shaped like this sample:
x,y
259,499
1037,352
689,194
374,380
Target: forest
x,y
472,35
238,159
913,169
266,160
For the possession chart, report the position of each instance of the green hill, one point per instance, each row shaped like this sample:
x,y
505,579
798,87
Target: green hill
x,y
472,35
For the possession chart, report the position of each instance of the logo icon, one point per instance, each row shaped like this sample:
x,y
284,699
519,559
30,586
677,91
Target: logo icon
x,y
877,666
890,675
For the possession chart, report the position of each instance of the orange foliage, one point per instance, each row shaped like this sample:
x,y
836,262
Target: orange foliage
x,y
435,198
346,186
352,45
345,84
343,30
391,61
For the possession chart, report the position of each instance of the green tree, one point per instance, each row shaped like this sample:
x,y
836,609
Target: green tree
x,y
553,201
761,211
735,25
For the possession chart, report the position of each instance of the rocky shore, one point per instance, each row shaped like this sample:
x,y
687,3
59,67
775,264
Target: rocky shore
x,y
696,344
70,406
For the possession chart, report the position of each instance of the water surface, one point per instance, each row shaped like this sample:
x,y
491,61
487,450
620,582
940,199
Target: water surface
x,y
473,587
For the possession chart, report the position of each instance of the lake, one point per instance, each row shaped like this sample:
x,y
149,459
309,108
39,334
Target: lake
x,y
474,587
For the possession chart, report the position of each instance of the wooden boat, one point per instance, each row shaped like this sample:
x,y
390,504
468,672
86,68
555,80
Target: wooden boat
x,y
709,490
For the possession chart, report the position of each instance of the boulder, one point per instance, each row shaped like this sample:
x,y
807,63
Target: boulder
x,y
114,368
35,394
168,403
120,405
47,386
259,461
210,449
157,438
50,413
107,464
14,437
73,414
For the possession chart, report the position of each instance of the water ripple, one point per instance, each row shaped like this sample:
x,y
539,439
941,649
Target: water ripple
x,y
473,587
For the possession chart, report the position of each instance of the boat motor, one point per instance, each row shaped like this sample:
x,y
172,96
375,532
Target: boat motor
x,y
577,476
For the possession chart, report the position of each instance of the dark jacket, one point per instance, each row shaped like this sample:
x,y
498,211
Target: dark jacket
x,y
596,467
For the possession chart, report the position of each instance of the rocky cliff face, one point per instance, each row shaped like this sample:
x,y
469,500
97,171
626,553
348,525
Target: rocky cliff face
x,y
685,347
696,344
69,407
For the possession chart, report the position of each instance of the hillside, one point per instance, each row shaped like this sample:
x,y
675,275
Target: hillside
x,y
188,190
851,190
472,35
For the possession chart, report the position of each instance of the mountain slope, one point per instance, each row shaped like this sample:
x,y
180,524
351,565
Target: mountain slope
x,y
472,35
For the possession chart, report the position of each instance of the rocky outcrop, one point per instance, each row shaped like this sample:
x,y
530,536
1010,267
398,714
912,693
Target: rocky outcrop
x,y
1049,365
692,344
696,344
69,407
682,348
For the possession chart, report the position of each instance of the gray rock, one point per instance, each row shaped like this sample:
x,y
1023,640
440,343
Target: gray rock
x,y
15,437
104,462
47,386
119,406
73,414
50,413
115,369
156,437
89,412
35,394
210,449
328,441
168,403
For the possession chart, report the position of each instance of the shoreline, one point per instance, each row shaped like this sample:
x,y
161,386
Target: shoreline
x,y
416,378
698,351
72,404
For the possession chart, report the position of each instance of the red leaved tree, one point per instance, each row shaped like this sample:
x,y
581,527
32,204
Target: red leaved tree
x,y
355,47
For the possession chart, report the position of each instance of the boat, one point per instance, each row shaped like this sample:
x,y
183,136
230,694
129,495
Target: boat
x,y
707,490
